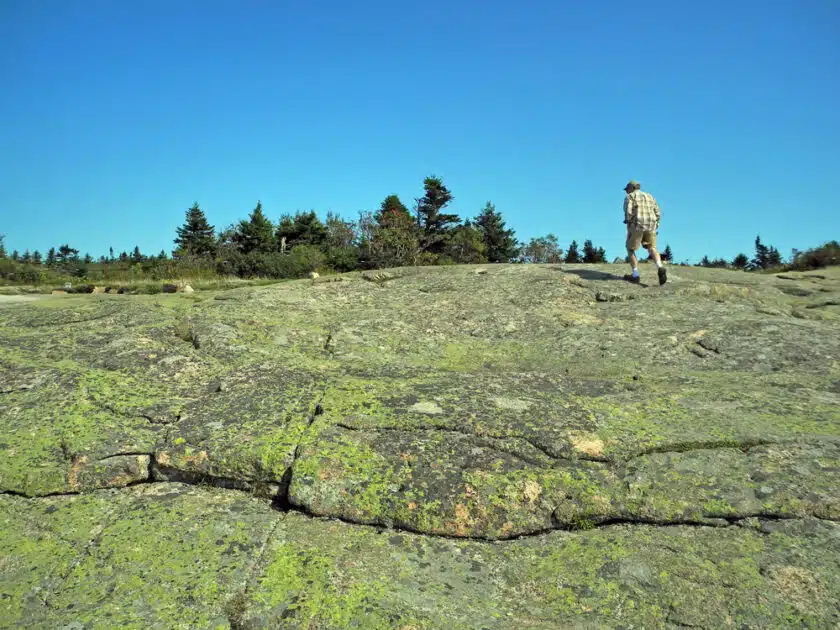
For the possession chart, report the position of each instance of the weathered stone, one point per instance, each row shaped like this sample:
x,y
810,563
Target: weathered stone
x,y
666,455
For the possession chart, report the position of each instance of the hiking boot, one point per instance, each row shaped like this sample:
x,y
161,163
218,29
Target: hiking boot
x,y
663,275
631,278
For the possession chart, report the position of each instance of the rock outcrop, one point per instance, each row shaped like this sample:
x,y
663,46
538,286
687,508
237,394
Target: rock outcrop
x,y
508,446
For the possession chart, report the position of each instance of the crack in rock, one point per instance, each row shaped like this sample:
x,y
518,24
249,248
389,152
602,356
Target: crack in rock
x,y
713,523
488,436
127,454
684,447
236,606
165,422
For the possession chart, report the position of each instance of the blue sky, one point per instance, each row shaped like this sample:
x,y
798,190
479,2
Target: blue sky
x,y
116,116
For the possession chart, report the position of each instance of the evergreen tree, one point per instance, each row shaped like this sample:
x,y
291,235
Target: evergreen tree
x,y
2,245
305,228
667,254
705,262
765,257
572,255
26,258
88,259
196,237
499,243
436,226
256,233
124,257
740,261
760,260
393,213
66,254
15,255
162,255
591,254
136,256
51,257
111,254
36,257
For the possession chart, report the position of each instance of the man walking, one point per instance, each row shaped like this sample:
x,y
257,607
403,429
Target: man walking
x,y
642,216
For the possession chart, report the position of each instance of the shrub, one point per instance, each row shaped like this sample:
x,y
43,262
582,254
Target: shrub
x,y
343,258
298,263
825,256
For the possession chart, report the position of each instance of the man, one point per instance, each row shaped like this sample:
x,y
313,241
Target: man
x,y
642,216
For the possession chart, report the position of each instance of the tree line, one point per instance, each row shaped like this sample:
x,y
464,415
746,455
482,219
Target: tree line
x,y
767,257
389,236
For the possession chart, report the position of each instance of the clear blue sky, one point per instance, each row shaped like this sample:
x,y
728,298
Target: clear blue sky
x,y
115,116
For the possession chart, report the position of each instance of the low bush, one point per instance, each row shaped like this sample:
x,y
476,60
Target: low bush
x,y
817,258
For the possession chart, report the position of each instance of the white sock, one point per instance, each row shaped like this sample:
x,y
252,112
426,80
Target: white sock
x,y
635,272
658,264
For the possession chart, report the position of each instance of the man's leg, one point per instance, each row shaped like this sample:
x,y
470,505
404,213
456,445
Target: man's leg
x,y
633,260
655,255
634,240
660,269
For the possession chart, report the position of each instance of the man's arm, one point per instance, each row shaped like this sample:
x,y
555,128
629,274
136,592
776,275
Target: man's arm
x,y
657,211
628,209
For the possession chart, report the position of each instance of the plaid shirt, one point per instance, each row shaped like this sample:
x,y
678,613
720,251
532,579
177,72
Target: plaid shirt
x,y
641,211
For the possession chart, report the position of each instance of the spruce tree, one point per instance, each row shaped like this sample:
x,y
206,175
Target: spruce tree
x,y
591,254
740,261
392,213
136,256
36,257
761,258
667,254
572,255
2,245
196,237
500,245
51,257
256,233
305,228
67,254
435,225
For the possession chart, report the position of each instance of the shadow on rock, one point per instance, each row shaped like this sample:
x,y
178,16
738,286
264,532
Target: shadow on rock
x,y
594,274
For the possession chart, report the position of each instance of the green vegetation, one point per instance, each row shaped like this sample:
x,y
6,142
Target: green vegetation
x,y
769,258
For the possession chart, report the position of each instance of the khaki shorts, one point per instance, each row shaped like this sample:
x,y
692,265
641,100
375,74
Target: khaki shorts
x,y
637,238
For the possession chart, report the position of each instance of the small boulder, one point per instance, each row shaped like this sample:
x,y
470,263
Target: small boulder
x,y
188,289
314,275
170,288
